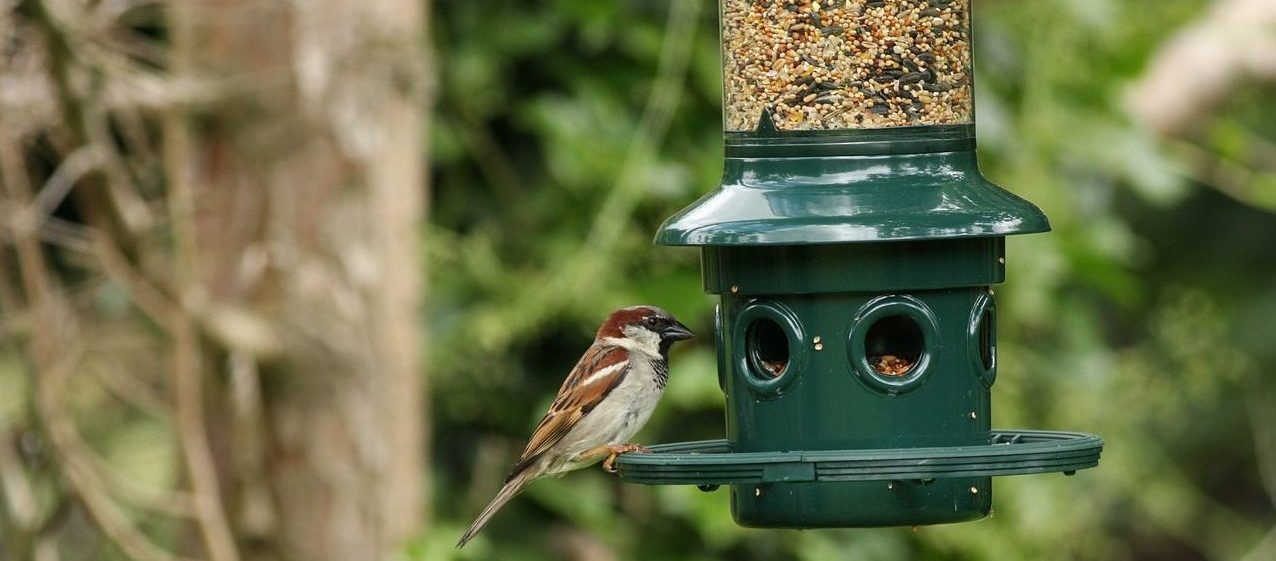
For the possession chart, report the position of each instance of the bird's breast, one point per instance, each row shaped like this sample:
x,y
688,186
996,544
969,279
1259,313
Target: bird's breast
x,y
623,412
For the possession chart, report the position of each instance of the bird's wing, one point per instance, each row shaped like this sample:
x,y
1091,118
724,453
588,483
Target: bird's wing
x,y
598,372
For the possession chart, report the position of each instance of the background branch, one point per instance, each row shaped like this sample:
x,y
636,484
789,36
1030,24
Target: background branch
x,y
1231,44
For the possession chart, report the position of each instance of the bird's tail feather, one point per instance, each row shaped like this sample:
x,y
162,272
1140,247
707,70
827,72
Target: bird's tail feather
x,y
507,492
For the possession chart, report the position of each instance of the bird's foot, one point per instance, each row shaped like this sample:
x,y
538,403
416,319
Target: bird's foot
x,y
614,451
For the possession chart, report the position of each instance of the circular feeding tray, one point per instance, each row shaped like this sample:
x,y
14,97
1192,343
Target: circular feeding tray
x,y
711,462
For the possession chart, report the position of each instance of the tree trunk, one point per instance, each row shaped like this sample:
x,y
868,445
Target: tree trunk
x,y
305,182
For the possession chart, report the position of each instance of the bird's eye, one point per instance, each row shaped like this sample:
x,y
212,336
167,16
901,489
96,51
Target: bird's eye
x,y
649,320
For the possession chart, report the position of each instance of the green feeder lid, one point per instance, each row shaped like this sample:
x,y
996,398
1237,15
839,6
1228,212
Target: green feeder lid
x,y
819,189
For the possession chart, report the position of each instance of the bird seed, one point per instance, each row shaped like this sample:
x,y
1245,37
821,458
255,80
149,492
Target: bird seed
x,y
891,365
845,64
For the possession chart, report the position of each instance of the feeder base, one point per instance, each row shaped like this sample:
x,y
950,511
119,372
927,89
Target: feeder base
x,y
861,504
862,488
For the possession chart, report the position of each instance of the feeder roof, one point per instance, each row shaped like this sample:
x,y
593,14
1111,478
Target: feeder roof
x,y
851,199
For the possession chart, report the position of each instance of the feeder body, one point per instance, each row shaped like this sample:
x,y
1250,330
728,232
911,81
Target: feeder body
x,y
828,266
831,312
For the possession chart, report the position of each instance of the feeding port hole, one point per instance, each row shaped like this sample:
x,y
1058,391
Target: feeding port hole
x,y
768,348
894,344
982,339
985,337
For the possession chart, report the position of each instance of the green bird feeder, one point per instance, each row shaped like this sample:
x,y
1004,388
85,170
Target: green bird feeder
x,y
853,244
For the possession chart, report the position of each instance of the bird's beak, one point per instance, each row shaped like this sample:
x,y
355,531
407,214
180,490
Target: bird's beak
x,y
676,332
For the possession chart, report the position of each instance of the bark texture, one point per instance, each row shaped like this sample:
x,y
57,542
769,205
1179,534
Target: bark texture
x,y
208,237
306,189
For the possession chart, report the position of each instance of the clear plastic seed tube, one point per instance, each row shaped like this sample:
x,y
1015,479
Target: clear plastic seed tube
x,y
845,64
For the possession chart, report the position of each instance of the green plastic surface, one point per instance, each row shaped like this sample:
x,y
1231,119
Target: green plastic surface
x,y
850,192
712,462
862,487
861,504
845,142
873,267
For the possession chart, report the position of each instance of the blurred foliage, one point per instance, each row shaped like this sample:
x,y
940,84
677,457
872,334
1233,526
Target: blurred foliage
x,y
568,129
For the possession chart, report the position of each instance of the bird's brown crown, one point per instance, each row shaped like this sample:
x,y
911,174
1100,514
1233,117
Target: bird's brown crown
x,y
616,322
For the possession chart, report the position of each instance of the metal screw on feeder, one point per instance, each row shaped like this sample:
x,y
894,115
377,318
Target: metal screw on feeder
x,y
853,243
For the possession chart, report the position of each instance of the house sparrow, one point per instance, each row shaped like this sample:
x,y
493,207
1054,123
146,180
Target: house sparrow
x,y
605,399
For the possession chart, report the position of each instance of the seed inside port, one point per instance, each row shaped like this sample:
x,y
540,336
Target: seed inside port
x,y
768,348
892,365
894,344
